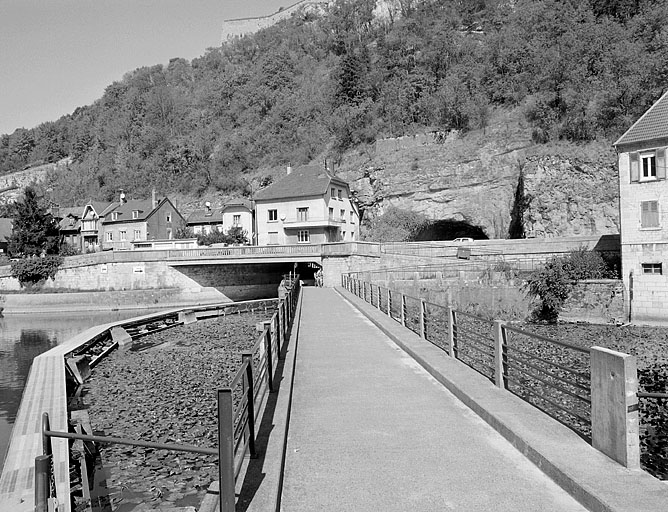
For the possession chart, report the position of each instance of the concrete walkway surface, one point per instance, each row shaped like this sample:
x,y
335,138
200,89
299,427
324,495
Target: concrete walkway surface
x,y
371,430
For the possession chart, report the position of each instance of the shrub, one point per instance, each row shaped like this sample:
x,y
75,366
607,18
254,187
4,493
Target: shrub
x,y
34,271
554,281
234,235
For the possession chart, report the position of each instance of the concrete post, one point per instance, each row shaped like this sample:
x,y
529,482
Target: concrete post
x,y
500,355
614,406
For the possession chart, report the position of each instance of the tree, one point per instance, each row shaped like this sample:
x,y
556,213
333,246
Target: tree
x,y
34,231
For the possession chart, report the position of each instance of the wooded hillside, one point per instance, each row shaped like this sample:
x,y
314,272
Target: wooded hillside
x,y
316,85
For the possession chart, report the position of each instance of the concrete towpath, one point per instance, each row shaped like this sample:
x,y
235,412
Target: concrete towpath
x,y
370,430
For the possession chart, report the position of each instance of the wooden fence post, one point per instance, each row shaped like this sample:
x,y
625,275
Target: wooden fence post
x,y
452,332
500,355
423,327
614,406
247,358
226,450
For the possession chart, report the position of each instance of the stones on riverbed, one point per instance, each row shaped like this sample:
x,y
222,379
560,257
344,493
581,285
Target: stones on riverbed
x,y
167,393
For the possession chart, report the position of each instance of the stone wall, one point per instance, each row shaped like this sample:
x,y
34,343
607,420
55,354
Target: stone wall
x,y
216,283
595,301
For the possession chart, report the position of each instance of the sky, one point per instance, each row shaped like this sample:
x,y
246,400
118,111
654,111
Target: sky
x,y
57,55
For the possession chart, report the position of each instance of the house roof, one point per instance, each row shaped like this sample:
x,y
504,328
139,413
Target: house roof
x,y
652,125
100,207
124,211
206,216
306,181
5,229
239,201
69,223
73,211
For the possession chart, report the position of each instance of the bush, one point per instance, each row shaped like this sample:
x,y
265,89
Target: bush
x,y
34,271
235,235
554,282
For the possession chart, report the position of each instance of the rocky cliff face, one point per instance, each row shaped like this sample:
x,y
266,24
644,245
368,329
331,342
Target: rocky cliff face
x,y
492,179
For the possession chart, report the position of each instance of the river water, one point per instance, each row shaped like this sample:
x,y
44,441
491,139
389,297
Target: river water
x,y
22,337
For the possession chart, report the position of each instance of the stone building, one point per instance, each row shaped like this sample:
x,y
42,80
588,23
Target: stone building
x,y
643,205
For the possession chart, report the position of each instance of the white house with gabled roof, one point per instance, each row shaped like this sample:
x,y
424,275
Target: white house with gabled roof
x,y
643,208
306,206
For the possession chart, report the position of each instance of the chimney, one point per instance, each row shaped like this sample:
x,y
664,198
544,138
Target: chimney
x,y
208,206
122,198
153,200
289,169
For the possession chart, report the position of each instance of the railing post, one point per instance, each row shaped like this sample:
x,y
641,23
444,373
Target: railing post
x,y
42,482
614,406
226,450
403,310
389,303
500,355
46,440
270,359
247,358
452,332
422,319
364,290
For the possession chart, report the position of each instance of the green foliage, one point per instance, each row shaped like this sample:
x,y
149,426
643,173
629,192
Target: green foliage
x,y
553,283
236,235
34,230
395,225
325,83
33,271
69,250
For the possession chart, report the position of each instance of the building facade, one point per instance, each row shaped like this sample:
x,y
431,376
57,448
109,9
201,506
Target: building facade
x,y
306,206
643,206
139,220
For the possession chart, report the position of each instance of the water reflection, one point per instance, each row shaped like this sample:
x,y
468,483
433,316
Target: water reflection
x,y
22,338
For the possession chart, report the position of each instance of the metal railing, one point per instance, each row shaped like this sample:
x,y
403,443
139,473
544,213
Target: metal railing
x,y
550,374
239,405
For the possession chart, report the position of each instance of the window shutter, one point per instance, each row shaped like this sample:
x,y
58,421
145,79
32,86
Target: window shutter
x,y
633,158
661,163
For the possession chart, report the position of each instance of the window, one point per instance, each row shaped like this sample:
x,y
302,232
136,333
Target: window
x,y
135,214
648,165
123,235
342,215
652,268
236,220
343,236
137,234
331,213
302,214
303,236
110,236
169,217
333,193
114,215
273,215
352,217
649,214
197,229
339,194
273,238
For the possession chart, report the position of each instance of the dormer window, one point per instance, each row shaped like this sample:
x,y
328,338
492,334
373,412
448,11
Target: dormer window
x,y
135,214
114,215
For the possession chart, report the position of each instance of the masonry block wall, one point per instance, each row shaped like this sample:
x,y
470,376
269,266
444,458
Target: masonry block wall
x,y
227,282
644,247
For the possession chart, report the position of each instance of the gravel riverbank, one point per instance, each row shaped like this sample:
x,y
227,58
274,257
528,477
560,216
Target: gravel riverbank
x,y
164,390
